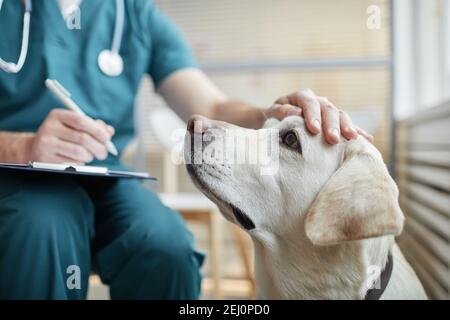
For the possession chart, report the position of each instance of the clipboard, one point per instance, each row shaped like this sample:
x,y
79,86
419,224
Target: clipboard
x,y
79,170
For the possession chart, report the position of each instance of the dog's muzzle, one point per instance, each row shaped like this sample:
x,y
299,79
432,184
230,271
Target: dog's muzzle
x,y
199,135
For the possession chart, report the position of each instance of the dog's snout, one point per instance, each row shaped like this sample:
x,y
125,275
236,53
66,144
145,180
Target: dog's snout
x,y
199,135
198,124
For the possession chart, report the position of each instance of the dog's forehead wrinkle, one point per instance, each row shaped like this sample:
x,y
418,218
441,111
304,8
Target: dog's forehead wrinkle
x,y
292,121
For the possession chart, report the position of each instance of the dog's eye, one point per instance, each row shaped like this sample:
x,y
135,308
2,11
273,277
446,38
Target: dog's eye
x,y
290,139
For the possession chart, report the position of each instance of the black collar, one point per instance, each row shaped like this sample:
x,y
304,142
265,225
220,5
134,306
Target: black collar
x,y
375,293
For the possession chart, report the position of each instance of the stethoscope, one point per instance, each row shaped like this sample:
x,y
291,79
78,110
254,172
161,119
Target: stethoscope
x,y
109,60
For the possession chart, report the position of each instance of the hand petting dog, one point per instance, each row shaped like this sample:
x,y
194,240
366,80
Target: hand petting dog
x,y
319,113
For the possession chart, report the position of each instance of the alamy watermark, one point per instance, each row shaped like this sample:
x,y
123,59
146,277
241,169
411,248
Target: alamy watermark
x,y
373,21
373,274
72,16
73,281
227,147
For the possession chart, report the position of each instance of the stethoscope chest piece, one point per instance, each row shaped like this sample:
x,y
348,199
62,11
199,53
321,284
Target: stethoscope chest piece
x,y
110,63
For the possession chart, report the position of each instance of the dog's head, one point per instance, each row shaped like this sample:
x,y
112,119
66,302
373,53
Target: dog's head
x,y
332,194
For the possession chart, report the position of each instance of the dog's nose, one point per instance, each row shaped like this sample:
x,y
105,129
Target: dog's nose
x,y
198,124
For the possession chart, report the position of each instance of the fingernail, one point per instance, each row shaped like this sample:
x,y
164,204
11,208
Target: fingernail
x,y
351,129
316,124
293,112
335,132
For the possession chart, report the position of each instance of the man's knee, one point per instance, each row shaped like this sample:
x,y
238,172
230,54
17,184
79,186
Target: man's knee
x,y
165,260
175,255
172,247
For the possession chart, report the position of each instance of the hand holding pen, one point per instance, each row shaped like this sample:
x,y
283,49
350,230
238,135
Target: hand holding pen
x,y
70,135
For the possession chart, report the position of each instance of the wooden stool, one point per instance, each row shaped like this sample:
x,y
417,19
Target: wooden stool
x,y
196,207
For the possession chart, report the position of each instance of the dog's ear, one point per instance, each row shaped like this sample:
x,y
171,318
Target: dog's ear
x,y
359,201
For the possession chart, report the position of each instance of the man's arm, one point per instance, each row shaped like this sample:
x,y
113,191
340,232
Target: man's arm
x,y
14,146
189,91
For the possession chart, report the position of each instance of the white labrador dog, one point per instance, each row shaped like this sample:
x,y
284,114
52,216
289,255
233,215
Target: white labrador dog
x,y
323,224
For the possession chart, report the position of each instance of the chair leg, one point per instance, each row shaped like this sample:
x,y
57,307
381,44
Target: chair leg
x,y
241,243
215,251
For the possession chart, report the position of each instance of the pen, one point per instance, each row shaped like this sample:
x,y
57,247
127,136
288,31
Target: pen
x,y
62,94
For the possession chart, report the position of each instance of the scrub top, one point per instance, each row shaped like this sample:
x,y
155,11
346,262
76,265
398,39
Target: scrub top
x,y
151,44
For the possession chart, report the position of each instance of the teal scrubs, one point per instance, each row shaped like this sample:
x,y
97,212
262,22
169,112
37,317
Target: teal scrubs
x,y
117,228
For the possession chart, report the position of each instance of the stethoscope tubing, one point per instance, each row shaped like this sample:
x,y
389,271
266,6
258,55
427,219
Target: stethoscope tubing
x,y
11,67
119,26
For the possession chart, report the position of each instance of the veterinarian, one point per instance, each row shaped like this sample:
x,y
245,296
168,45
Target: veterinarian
x,y
52,227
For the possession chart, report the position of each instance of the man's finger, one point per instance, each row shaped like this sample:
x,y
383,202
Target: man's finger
x,y
282,111
71,151
365,134
55,158
85,124
347,127
311,110
84,139
331,123
109,128
283,100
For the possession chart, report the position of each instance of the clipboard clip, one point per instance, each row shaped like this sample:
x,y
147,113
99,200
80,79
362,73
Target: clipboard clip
x,y
68,167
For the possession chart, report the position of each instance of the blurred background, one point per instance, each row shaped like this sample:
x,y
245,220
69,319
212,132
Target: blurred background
x,y
387,63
